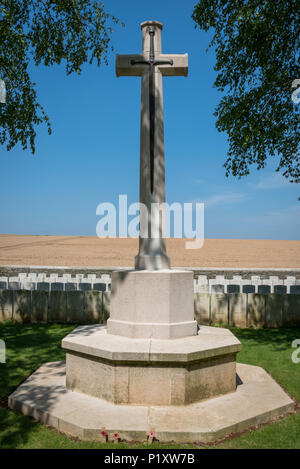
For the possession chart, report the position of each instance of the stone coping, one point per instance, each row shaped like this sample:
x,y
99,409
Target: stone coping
x,y
194,269
93,340
176,270
257,400
210,272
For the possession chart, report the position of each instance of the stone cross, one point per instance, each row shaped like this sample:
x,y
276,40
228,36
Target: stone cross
x,y
152,65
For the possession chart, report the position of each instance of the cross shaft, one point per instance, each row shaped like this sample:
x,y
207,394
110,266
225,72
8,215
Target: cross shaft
x,y
151,65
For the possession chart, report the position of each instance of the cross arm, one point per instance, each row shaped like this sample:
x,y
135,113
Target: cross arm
x,y
125,67
179,67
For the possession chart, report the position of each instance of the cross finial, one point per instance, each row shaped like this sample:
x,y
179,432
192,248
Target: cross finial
x,y
151,28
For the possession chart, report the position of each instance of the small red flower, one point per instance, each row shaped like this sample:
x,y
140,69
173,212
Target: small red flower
x,y
151,435
103,433
116,436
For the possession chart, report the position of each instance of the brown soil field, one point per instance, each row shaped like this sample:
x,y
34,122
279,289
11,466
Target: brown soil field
x,y
90,251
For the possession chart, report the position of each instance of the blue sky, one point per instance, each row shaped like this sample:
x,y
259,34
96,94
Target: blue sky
x,y
93,154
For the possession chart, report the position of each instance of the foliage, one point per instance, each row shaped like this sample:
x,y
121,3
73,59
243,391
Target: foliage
x,y
257,60
44,32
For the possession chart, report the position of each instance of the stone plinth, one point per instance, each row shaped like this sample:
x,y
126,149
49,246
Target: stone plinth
x,y
258,399
157,304
151,371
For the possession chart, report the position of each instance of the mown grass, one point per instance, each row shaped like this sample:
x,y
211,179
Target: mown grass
x,y
31,345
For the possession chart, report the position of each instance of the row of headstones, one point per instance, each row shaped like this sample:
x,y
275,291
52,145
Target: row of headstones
x,y
66,282
253,285
220,284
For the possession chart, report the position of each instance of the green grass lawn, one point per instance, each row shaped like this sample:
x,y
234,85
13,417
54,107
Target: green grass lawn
x,y
31,345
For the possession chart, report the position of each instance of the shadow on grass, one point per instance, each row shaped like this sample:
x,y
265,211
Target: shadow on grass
x,y
14,429
28,346
31,345
279,339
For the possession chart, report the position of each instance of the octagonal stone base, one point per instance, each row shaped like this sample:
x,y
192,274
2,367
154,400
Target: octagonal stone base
x,y
44,396
151,371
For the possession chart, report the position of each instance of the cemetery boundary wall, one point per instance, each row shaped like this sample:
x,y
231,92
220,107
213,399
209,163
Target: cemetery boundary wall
x,y
210,272
207,280
92,307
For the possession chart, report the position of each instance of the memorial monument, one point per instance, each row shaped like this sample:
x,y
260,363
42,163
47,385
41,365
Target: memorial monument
x,y
152,368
